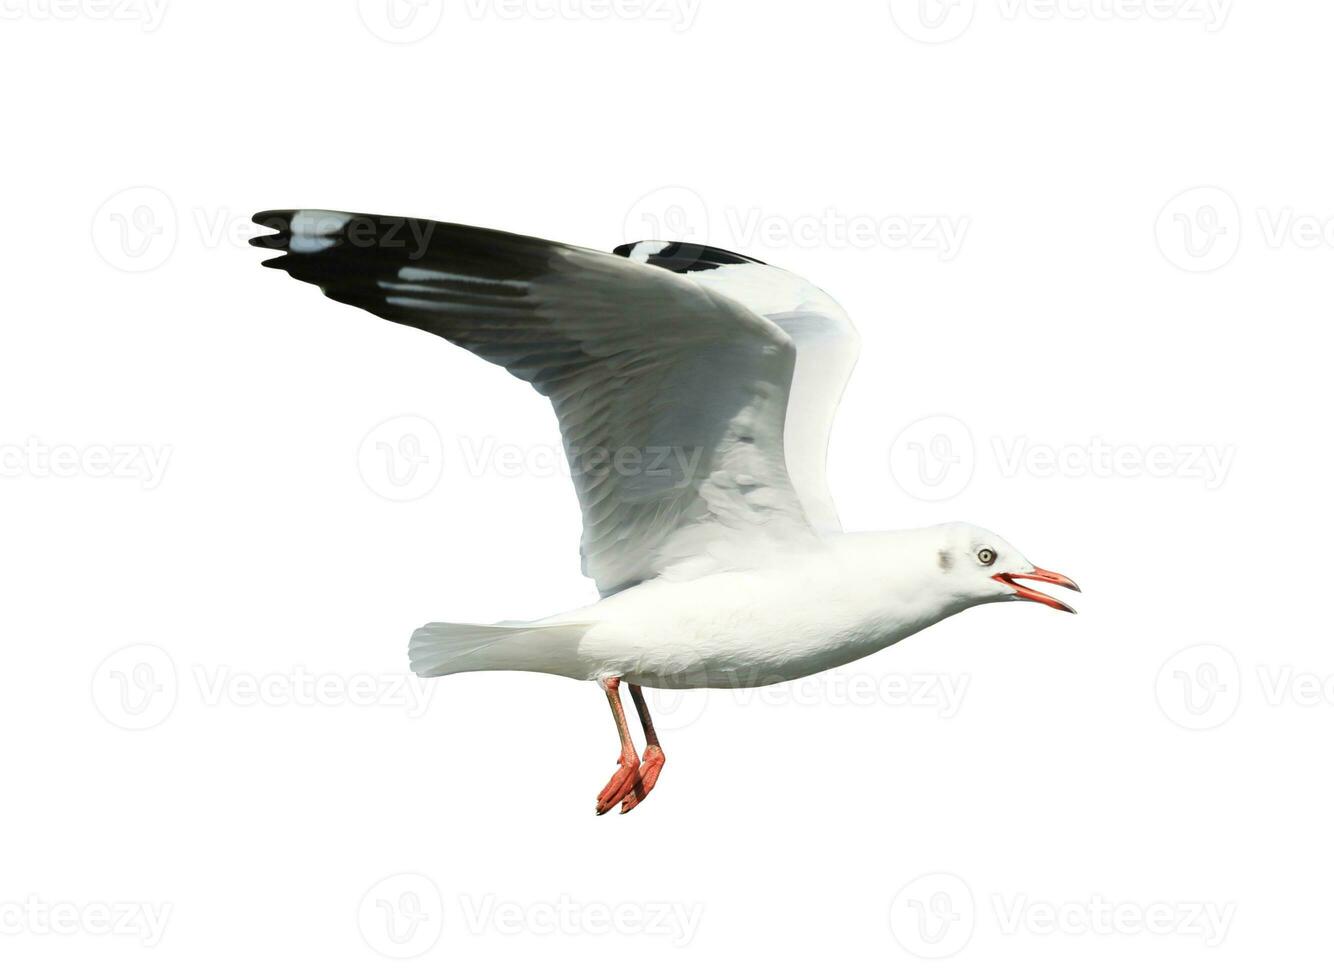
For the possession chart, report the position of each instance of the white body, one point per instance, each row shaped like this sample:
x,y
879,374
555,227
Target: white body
x,y
810,610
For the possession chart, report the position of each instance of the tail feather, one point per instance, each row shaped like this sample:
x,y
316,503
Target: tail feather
x,y
437,649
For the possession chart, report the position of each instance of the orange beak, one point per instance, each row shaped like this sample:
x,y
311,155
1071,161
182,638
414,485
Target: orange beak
x,y
1032,595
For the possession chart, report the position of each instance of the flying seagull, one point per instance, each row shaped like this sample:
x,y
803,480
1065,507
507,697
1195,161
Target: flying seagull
x,y
695,389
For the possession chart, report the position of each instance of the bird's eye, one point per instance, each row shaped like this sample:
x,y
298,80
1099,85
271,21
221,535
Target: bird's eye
x,y
986,556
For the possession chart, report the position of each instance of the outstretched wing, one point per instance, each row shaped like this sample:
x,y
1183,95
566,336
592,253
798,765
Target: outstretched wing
x,y
826,341
671,398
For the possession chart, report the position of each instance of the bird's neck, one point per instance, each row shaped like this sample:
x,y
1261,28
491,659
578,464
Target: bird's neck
x,y
898,581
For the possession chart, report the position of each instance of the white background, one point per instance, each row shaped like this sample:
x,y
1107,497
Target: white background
x,y
1145,189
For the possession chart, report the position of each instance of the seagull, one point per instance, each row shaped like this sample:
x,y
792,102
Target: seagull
x,y
695,390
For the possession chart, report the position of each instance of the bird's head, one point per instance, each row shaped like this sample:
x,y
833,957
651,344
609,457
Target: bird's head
x,y
978,566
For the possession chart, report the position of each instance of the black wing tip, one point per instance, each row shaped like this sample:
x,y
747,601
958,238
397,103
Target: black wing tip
x,y
319,229
269,241
687,256
273,219
280,237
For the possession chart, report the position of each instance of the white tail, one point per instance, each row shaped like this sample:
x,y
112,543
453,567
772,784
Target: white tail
x,y
453,648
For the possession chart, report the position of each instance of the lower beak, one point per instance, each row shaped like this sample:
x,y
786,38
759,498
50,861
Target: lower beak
x,y
1033,595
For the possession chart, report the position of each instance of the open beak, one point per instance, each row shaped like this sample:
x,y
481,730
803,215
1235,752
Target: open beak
x,y
1033,595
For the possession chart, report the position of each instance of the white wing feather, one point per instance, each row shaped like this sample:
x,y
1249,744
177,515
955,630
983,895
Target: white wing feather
x,y
827,347
671,397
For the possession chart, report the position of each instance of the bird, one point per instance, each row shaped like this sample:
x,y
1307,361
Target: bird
x,y
695,389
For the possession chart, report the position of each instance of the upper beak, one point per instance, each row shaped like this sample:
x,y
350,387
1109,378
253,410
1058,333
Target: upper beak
x,y
1039,575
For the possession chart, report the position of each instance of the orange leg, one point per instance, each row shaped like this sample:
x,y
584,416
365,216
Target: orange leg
x,y
624,778
653,755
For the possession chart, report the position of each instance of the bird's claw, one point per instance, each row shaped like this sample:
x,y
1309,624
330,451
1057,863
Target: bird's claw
x,y
621,782
647,777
